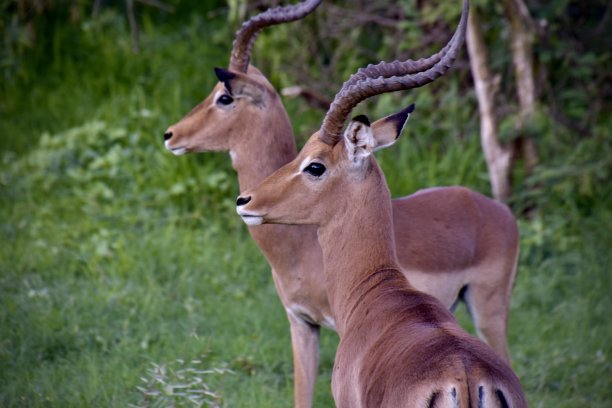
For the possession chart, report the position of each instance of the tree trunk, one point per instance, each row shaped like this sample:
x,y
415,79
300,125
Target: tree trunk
x,y
133,25
522,33
497,157
96,8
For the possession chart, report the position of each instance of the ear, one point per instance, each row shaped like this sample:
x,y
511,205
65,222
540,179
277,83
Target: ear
x,y
240,85
358,139
388,129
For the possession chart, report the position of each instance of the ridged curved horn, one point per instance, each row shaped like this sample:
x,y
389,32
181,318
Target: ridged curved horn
x,y
389,77
389,69
245,37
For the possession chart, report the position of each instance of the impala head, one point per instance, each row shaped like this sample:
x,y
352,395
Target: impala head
x,y
243,97
238,99
335,166
297,193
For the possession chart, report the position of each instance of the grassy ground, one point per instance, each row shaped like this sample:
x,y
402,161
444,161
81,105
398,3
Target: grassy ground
x,y
121,264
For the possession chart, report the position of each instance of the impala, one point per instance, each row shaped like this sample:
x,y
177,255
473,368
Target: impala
x,y
398,347
452,243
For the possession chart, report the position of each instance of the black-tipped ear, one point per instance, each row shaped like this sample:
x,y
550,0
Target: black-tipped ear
x,y
226,77
399,119
388,129
362,119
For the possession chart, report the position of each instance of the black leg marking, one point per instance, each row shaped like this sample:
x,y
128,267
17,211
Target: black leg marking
x,y
481,397
502,399
432,399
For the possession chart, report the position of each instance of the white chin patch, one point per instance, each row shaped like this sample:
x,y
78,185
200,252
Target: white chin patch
x,y
177,151
252,219
249,219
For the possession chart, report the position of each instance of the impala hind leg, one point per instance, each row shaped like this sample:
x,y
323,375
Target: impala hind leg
x,y
305,345
488,307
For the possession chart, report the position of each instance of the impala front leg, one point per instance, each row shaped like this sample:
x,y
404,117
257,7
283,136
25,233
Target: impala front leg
x,y
305,344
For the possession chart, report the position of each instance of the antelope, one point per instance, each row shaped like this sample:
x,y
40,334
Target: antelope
x,y
399,347
452,242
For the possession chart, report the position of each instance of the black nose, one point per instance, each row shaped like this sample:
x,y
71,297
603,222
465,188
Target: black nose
x,y
243,200
167,135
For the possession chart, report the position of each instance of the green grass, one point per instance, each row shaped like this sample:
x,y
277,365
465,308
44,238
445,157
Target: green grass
x,y
116,255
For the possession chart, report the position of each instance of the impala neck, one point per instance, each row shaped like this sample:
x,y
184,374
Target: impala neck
x,y
264,146
358,243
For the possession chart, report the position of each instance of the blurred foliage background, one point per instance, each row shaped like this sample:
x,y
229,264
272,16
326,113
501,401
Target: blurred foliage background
x,y
124,270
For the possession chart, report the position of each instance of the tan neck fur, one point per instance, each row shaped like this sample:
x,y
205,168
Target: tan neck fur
x,y
396,344
350,262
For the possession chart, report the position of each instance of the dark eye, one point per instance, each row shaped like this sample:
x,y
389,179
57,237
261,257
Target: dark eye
x,y
225,99
316,169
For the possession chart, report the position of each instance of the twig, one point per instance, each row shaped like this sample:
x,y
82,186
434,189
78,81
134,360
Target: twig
x,y
360,18
96,8
155,3
133,24
313,98
599,30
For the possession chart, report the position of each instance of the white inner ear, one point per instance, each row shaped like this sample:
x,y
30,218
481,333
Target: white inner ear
x,y
359,141
382,145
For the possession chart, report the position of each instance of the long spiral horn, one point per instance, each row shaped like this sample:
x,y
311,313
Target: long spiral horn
x,y
389,69
246,35
389,77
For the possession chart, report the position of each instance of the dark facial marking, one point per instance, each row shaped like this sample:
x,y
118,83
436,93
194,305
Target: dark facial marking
x,y
362,119
354,138
226,77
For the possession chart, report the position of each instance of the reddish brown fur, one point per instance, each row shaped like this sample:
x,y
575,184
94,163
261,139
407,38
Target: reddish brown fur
x,y
258,134
398,347
262,141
